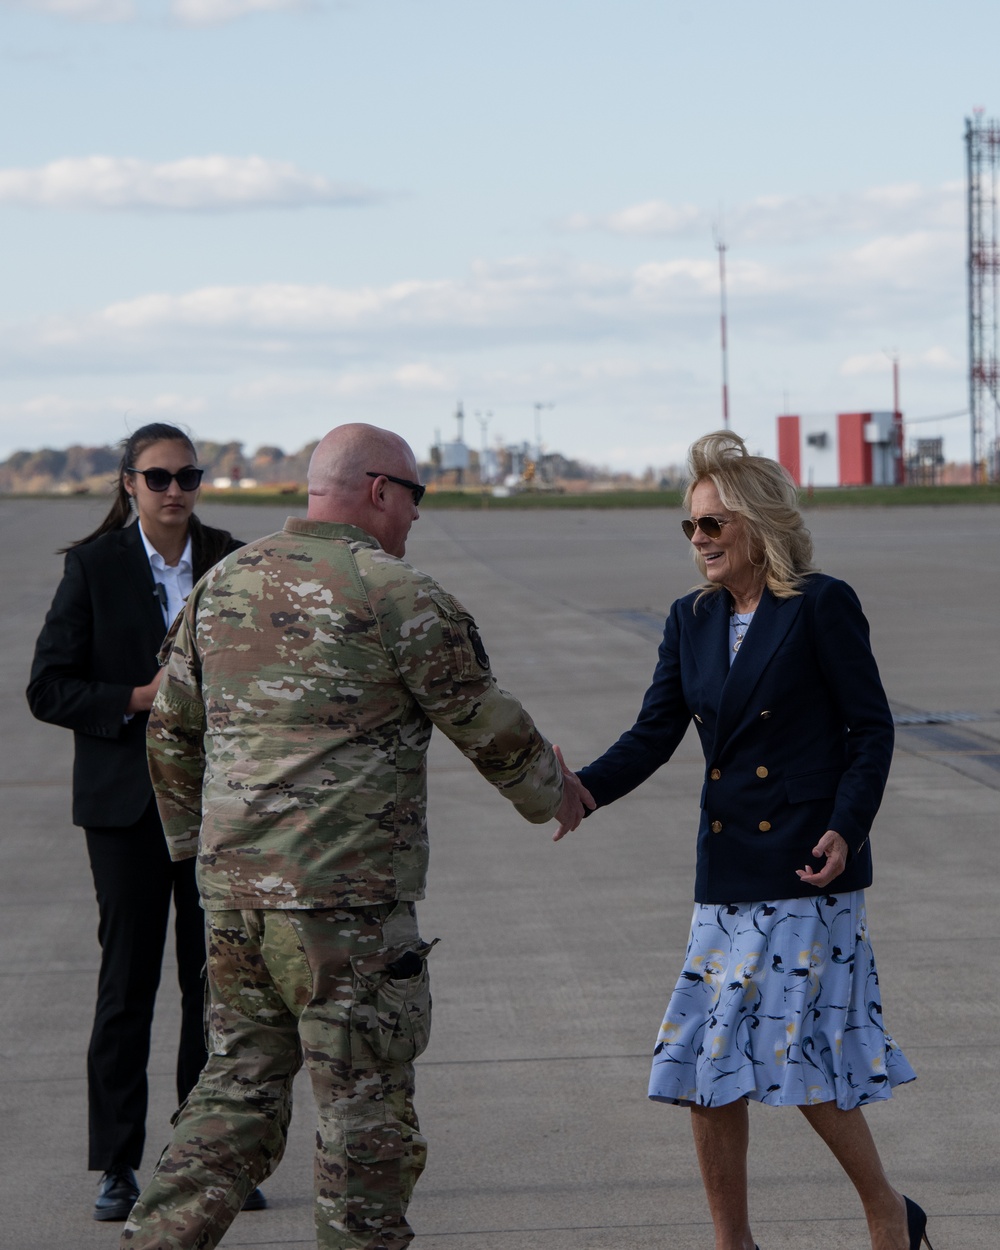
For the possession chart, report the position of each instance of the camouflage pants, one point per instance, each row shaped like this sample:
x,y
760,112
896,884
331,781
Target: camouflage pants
x,y
288,986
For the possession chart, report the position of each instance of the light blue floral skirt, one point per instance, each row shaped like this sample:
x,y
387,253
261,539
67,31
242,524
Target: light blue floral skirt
x,y
778,1002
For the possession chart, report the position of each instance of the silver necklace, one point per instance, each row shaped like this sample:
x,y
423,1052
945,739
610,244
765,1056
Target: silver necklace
x,y
739,623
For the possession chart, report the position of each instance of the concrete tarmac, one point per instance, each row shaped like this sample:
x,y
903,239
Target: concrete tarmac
x,y
556,960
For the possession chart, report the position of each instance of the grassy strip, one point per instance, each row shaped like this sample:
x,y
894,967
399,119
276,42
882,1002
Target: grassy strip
x,y
897,496
833,497
827,497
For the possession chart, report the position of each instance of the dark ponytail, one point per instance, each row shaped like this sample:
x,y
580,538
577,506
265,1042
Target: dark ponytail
x,y
133,447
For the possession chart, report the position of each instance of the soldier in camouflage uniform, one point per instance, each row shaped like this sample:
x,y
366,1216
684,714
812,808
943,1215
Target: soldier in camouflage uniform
x,y
287,746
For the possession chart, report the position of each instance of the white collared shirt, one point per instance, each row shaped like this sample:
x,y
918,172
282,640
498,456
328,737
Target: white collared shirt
x,y
176,579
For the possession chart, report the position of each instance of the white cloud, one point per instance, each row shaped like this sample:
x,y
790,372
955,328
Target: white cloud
x,y
81,10
943,359
195,184
53,419
900,260
865,364
654,217
938,359
778,219
534,306
627,403
52,406
903,208
492,297
215,12
202,13
280,387
513,302
878,292
422,377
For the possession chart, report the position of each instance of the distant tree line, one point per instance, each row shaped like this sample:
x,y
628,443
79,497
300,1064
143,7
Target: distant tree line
x,y
92,469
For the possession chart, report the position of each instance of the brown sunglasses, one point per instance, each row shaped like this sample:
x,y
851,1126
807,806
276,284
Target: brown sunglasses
x,y
710,525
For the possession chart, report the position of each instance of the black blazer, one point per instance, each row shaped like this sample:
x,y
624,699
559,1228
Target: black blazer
x,y
100,640
797,737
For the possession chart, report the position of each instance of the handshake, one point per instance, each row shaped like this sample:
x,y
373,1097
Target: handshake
x,y
576,800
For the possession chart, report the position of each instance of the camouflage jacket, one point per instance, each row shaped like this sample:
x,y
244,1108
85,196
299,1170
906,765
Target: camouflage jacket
x,y
288,741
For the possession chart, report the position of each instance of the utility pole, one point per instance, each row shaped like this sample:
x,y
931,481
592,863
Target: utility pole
x,y
484,426
897,417
538,430
720,247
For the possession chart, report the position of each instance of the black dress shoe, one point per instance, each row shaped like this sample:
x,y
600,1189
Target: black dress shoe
x,y
916,1225
116,1194
255,1201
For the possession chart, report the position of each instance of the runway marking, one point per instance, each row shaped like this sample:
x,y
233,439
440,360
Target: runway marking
x,y
940,738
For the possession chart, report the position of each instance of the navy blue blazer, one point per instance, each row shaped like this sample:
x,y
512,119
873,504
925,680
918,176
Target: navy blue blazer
x,y
99,641
797,737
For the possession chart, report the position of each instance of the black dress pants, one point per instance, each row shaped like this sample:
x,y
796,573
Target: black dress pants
x,y
135,879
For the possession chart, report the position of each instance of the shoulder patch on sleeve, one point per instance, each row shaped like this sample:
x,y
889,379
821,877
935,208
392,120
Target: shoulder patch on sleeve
x,y
477,644
470,657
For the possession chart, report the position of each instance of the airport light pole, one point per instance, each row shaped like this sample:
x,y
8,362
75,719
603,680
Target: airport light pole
x,y
484,425
538,429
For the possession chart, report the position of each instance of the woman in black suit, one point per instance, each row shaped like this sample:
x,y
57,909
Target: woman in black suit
x,y
778,998
95,671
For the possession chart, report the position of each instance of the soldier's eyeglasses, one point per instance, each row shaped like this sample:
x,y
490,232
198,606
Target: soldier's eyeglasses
x,y
418,490
160,479
710,525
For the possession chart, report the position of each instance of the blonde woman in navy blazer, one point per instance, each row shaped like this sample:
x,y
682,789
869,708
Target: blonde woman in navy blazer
x,y
95,672
778,998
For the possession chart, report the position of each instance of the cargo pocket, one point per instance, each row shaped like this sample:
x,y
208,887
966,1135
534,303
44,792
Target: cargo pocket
x,y
374,1143
391,1015
371,1193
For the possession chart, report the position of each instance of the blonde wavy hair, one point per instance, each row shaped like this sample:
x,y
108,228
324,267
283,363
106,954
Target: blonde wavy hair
x,y
761,492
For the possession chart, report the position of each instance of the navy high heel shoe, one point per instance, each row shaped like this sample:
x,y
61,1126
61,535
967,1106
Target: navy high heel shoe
x,y
916,1225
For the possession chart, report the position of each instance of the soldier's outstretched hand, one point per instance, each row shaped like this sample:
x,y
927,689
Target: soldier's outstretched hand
x,y
576,800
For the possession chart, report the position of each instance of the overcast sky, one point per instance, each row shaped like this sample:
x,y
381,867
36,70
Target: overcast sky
x,y
262,218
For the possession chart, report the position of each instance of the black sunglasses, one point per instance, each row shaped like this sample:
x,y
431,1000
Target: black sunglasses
x,y
160,479
710,525
418,490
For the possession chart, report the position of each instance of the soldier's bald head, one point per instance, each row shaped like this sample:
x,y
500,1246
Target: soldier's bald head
x,y
343,457
340,489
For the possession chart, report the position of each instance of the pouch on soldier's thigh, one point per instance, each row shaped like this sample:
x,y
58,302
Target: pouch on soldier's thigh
x,y
390,1016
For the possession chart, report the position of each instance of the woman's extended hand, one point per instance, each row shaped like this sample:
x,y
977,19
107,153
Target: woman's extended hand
x,y
833,848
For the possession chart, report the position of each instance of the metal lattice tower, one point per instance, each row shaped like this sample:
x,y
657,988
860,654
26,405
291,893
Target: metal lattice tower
x,y
982,145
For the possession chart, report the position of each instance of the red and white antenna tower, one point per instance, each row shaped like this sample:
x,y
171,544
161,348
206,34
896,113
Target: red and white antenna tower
x,y
982,144
720,247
